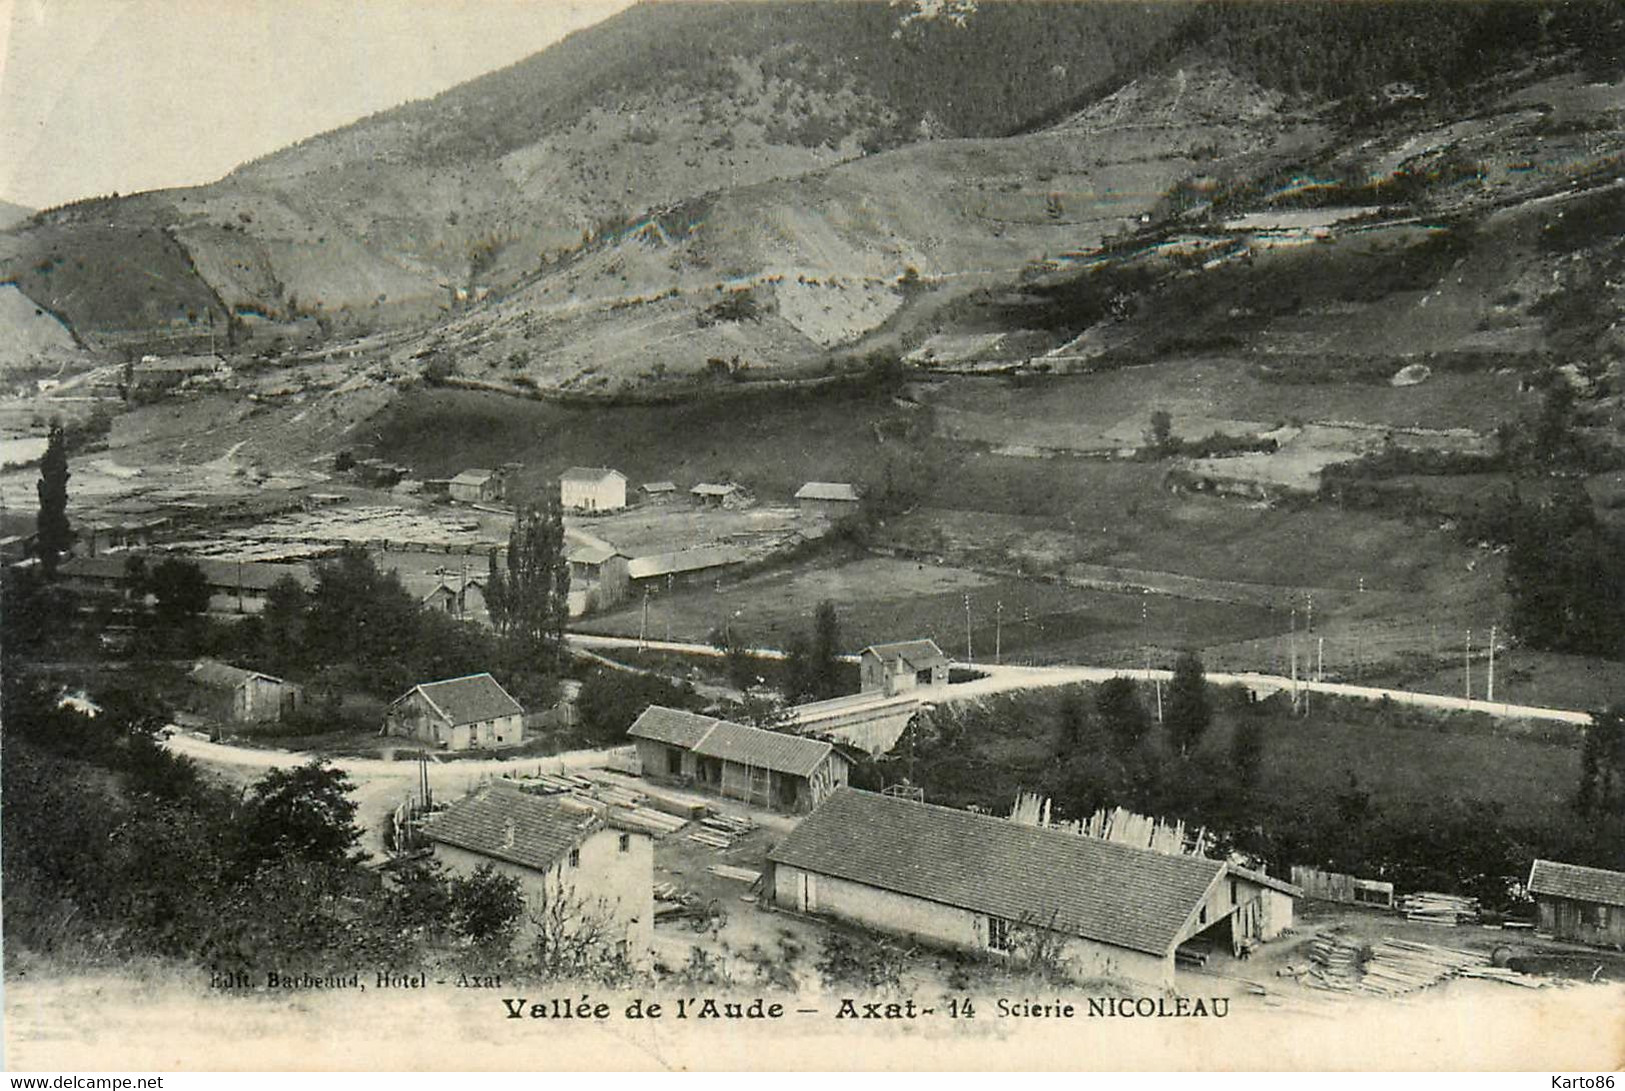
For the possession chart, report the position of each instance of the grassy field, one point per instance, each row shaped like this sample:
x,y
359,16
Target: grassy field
x,y
882,599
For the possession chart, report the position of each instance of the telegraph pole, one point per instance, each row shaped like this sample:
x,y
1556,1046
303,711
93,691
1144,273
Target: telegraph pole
x,y
998,632
968,657
1489,689
643,625
1467,661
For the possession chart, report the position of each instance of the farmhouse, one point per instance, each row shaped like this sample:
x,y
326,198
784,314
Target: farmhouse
x,y
599,577
767,768
1580,904
242,696
978,883
476,486
834,499
458,714
902,667
563,850
592,488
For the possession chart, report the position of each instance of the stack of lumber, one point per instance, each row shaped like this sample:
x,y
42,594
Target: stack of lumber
x,y
1432,908
655,823
1504,974
616,796
1336,964
690,809
555,782
741,874
1400,966
667,892
719,831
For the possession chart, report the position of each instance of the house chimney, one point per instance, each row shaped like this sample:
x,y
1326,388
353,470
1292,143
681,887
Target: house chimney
x,y
508,835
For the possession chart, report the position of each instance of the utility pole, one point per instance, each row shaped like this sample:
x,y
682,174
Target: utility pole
x,y
1467,661
1489,689
998,632
1294,644
643,625
968,657
1026,635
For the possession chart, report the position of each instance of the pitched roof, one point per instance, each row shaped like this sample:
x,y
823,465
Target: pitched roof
x,y
589,552
221,575
1580,884
212,672
468,700
707,488
500,821
918,654
827,490
590,473
686,560
659,486
473,477
1101,890
729,741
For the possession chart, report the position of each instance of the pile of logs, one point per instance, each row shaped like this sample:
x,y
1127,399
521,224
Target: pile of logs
x,y
1395,967
719,831
1336,964
1446,909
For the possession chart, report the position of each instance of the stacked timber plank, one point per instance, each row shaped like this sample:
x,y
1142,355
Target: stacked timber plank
x,y
1433,908
652,822
1400,966
555,782
720,831
1336,964
739,874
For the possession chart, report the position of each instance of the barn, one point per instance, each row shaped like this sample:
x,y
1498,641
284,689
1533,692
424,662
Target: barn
x,y
1579,904
476,486
592,488
242,696
458,714
836,499
599,576
767,768
973,882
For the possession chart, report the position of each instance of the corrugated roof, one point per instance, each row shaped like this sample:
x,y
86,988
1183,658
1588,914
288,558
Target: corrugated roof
x,y
590,473
1083,886
738,743
827,490
919,654
469,700
1580,884
505,823
687,560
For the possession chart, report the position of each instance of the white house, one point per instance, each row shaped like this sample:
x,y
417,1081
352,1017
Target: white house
x,y
458,714
592,488
974,882
563,850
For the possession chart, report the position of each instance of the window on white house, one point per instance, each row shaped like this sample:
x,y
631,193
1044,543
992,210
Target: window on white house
x,y
1201,918
1232,892
626,842
1000,935
575,857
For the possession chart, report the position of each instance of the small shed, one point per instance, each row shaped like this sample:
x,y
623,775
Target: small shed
x,y
599,576
902,667
592,488
1579,904
653,489
458,714
767,768
718,494
243,696
476,486
832,498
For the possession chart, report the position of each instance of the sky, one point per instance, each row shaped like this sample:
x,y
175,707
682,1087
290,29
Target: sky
x,y
103,96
